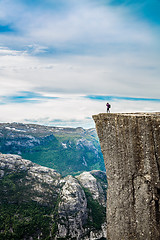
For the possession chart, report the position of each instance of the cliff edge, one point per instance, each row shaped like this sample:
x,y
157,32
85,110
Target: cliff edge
x,y
130,145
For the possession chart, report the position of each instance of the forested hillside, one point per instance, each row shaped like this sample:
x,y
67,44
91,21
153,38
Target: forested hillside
x,y
67,150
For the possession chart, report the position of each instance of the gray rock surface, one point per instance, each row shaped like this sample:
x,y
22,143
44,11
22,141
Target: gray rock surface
x,y
72,209
96,187
34,176
71,213
130,145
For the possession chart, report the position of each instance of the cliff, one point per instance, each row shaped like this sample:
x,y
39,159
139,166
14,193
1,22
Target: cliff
x,y
36,202
130,144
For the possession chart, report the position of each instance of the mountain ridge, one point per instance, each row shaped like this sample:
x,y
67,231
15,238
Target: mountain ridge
x,y
37,203
68,150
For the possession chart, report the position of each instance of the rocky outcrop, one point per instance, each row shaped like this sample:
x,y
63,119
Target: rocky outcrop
x,y
78,198
30,180
96,183
72,210
130,145
68,204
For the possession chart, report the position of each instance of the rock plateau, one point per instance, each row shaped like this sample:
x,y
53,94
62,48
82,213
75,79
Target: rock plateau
x,y
130,145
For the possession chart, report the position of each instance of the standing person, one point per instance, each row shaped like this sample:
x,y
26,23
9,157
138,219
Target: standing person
x,y
108,107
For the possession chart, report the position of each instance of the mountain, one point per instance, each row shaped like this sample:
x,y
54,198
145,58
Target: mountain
x,y
67,150
38,203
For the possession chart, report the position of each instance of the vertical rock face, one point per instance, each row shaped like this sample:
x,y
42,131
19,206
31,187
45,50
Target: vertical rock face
x,y
130,145
72,210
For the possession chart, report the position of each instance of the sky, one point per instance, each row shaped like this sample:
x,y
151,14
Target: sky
x,y
62,60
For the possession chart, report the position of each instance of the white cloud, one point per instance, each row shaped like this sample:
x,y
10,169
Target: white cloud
x,y
115,74
85,48
70,110
4,51
80,23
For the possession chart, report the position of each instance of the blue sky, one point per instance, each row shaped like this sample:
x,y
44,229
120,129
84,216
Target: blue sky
x,y
60,61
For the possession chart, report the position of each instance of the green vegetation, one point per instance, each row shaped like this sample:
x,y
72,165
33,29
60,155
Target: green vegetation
x,y
23,220
12,187
67,150
97,213
69,160
20,216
